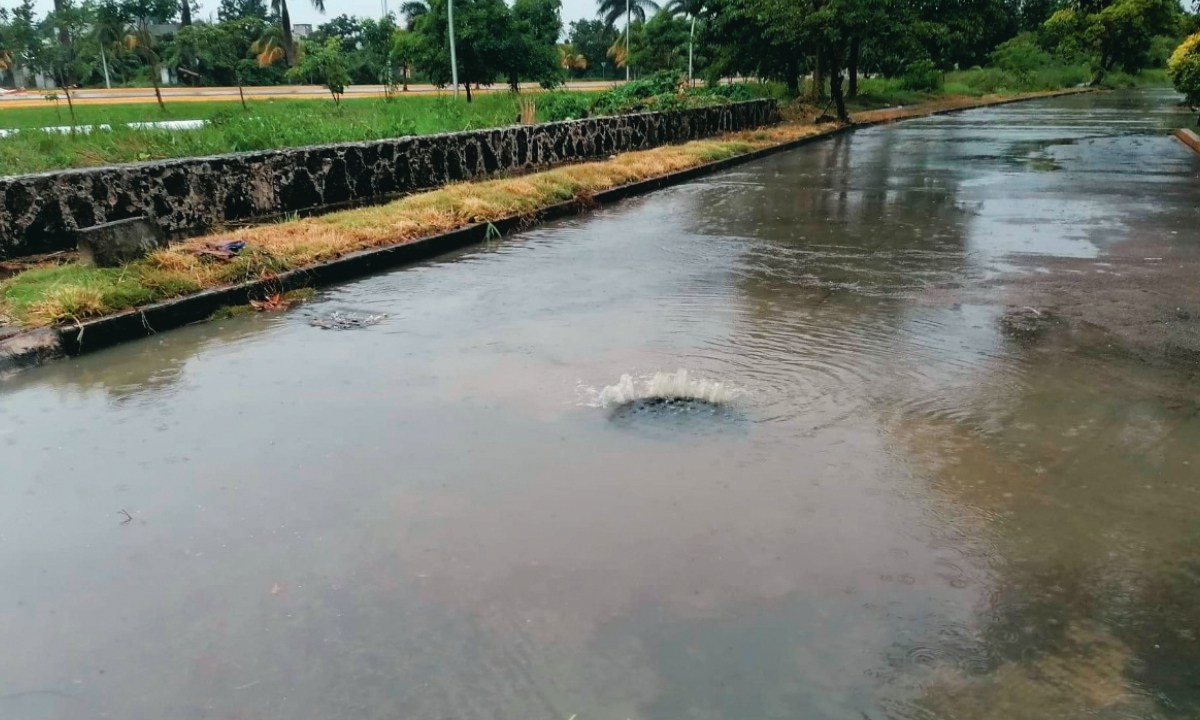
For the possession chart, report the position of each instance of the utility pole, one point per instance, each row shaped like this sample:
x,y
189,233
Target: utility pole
x,y
628,28
453,55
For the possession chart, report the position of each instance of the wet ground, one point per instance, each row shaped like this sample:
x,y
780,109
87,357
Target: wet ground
x,y
949,469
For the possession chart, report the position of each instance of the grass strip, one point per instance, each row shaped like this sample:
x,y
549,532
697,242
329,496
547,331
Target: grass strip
x,y
67,294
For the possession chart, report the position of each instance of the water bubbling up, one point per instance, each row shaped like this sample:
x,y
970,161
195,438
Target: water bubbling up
x,y
679,385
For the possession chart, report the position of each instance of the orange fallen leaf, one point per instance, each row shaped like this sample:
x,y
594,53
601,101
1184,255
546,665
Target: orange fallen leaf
x,y
274,303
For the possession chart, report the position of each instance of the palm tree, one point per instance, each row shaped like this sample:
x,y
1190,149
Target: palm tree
x,y
612,10
280,7
268,49
690,9
411,11
571,59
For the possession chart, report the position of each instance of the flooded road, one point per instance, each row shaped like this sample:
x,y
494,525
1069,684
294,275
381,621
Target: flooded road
x,y
954,477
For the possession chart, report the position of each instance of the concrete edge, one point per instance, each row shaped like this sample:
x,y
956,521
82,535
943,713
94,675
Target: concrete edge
x,y
1189,138
33,347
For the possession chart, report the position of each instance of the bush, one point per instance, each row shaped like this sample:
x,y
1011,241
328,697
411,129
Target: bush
x,y
1184,68
1020,55
637,95
554,106
921,75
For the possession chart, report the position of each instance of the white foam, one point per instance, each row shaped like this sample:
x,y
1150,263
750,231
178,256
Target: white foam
x,y
679,385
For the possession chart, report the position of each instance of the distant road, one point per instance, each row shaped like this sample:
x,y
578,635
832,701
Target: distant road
x,y
36,98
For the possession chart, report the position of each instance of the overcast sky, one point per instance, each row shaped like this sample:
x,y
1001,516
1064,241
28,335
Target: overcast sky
x,y
302,10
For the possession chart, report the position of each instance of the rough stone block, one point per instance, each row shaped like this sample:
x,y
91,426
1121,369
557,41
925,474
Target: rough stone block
x,y
116,243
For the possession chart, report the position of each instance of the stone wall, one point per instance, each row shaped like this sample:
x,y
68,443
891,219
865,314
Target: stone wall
x,y
40,213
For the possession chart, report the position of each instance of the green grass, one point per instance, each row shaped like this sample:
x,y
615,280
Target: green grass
x,y
266,125
57,113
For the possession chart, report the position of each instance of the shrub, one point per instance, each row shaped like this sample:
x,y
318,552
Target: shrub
x,y
1184,68
921,75
554,106
1020,55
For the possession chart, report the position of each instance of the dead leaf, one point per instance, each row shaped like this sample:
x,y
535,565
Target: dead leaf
x,y
273,303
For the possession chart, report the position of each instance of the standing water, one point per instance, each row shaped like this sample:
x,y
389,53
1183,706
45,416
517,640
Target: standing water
x,y
950,466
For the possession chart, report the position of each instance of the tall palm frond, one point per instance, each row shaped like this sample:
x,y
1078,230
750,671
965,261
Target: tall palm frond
x,y
280,8
612,12
571,59
411,11
619,52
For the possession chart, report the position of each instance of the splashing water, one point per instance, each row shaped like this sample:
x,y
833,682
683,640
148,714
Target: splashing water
x,y
679,385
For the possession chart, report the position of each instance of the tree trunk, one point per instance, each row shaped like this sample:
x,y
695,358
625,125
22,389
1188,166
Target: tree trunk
x,y
817,91
835,87
154,79
185,12
64,35
468,87
855,46
289,43
514,83
793,76
71,108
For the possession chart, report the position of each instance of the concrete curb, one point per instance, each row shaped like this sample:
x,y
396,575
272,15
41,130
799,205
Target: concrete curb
x,y
1189,138
33,347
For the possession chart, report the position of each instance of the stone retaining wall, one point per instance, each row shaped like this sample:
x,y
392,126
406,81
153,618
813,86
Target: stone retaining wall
x,y
40,213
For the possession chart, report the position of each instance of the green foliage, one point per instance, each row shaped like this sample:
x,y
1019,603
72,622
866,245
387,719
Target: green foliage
x,y
637,95
1184,69
325,64
592,39
1113,33
922,75
554,106
1021,55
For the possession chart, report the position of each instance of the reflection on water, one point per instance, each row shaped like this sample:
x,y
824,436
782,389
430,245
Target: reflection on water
x,y
905,512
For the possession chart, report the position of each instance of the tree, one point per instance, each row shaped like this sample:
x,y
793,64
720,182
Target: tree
x,y
571,60
1113,32
406,46
592,39
690,9
755,38
531,50
411,11
324,63
481,42
1184,68
141,42
230,10
661,44
280,8
614,11
20,41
